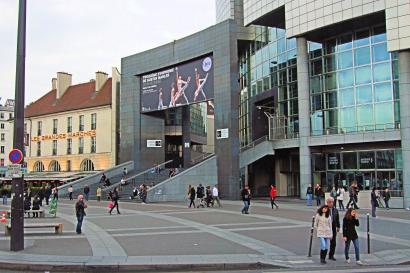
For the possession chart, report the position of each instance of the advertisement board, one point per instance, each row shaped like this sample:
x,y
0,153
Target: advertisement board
x,y
183,84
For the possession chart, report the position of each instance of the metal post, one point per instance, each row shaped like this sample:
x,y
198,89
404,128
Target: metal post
x,y
17,213
311,236
368,233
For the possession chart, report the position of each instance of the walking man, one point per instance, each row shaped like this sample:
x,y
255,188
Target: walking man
x,y
272,195
334,216
115,197
386,197
80,207
309,195
70,192
215,195
48,194
353,196
86,192
318,194
246,198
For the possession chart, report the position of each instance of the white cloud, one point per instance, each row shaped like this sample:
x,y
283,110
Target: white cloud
x,y
81,37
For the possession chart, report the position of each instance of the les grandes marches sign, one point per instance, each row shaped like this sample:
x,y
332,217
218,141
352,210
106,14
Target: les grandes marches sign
x,y
65,135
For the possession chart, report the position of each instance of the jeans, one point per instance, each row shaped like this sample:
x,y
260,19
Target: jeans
x,y
318,200
373,210
80,219
324,243
356,249
309,199
5,199
86,196
192,202
272,203
387,203
341,206
70,195
353,201
245,207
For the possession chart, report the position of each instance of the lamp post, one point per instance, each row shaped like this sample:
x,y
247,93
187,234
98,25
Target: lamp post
x,y
17,213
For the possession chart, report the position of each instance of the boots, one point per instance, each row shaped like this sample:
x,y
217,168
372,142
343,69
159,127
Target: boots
x,y
323,254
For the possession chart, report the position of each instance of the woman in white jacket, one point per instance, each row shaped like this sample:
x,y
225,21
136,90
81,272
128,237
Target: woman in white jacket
x,y
323,225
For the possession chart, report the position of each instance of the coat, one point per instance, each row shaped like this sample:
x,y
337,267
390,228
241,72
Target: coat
x,y
349,228
323,226
272,193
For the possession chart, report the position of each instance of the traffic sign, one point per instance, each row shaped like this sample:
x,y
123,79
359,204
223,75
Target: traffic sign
x,y
14,170
15,156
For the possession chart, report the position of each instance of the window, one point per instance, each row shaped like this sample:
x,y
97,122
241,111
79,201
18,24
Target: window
x,y
54,147
55,125
2,125
38,167
93,121
2,162
68,165
81,145
350,160
54,166
69,145
69,124
39,128
2,115
38,148
385,159
93,145
10,116
87,165
81,123
2,137
2,149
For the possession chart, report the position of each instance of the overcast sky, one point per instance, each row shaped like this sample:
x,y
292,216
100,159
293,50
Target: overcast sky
x,y
83,36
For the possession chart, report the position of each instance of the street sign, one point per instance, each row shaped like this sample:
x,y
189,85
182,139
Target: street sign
x,y
15,156
14,170
222,133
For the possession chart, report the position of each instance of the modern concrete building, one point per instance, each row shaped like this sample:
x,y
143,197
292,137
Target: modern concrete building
x,y
310,91
74,127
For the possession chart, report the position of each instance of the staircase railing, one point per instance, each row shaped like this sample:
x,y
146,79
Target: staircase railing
x,y
254,143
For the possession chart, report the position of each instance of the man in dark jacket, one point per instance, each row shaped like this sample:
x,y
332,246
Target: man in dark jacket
x,y
80,207
86,192
246,198
48,194
334,215
353,192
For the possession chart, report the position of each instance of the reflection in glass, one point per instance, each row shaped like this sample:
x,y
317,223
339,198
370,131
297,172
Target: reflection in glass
x,y
348,119
346,97
365,116
345,59
362,38
363,75
345,78
364,94
380,52
384,114
381,72
383,92
350,160
362,55
385,159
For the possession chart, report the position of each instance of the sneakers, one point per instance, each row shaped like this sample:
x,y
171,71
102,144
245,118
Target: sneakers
x,y
332,258
359,263
348,261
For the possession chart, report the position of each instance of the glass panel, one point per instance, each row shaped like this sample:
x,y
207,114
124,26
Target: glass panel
x,y
385,159
319,162
345,78
380,52
345,59
362,55
379,34
330,81
345,42
281,45
363,75
384,114
364,94
291,43
316,67
316,102
348,119
365,116
331,119
330,46
331,99
315,85
366,160
317,123
381,72
383,92
330,63
399,159
362,38
346,97
333,161
350,160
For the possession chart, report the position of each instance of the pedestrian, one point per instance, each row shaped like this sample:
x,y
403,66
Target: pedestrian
x,y
143,193
350,222
200,193
272,195
86,192
386,197
41,193
246,198
124,172
208,194
333,193
373,201
334,216
191,196
53,205
102,179
340,196
353,192
98,193
215,195
323,225
115,198
70,192
48,194
4,193
318,194
80,207
36,206
309,195
55,193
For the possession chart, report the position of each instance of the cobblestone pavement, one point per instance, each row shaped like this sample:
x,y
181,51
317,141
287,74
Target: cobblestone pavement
x,y
171,236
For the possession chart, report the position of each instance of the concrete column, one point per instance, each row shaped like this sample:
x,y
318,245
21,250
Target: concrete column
x,y
304,115
404,78
186,136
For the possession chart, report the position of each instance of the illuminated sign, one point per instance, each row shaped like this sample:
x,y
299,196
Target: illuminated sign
x,y
91,133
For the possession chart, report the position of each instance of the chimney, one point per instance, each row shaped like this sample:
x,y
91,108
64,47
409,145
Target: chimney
x,y
53,83
63,83
100,79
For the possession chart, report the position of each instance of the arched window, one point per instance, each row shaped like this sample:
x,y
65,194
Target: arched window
x,y
38,167
54,166
87,165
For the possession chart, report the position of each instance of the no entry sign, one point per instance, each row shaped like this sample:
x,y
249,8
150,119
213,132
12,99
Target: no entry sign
x,y
15,156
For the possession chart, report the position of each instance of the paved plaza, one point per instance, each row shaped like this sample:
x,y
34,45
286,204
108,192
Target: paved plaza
x,y
166,236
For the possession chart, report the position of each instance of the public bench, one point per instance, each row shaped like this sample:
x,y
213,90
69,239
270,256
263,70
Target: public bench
x,y
41,213
58,227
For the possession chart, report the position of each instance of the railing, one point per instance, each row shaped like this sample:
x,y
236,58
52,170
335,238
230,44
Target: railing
x,y
357,129
201,158
132,178
254,143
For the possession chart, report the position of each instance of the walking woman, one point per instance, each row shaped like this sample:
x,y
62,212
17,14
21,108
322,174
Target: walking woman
x,y
191,196
374,202
350,222
340,197
114,199
323,225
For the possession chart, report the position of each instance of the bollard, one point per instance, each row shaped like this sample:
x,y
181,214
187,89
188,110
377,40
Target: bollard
x,y
311,236
368,233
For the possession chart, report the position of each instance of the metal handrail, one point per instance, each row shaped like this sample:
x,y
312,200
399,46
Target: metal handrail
x,y
358,129
200,158
254,143
136,175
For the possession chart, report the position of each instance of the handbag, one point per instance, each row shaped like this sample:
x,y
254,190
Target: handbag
x,y
111,205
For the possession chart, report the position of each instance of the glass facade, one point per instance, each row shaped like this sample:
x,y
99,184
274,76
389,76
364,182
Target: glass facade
x,y
268,62
353,83
198,115
369,168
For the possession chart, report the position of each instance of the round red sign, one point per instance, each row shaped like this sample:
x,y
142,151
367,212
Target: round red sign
x,y
15,156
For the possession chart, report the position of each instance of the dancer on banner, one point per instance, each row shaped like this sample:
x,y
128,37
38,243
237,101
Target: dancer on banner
x,y
199,85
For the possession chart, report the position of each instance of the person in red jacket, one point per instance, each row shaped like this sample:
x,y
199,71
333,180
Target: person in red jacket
x,y
272,195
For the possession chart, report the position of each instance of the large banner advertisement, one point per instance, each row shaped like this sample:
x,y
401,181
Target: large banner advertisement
x,y
183,84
